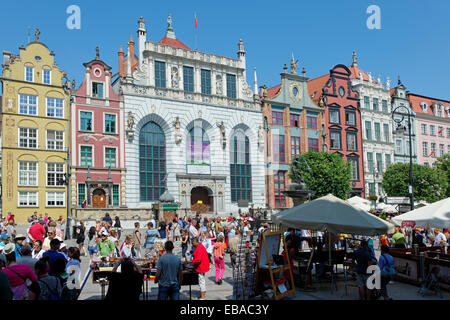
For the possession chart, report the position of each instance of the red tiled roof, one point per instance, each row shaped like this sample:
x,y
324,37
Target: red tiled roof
x,y
174,43
316,85
415,100
272,92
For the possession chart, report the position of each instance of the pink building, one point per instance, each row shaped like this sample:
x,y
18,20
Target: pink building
x,y
433,127
97,141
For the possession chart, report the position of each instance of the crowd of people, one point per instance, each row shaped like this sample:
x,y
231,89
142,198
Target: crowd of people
x,y
38,265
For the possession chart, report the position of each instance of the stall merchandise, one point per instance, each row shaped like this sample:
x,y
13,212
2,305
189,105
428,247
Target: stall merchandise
x,y
244,271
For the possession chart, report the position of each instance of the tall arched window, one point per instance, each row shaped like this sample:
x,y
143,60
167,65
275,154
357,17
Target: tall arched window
x,y
198,147
240,168
152,161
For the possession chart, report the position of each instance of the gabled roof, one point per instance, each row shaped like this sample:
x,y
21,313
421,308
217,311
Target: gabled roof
x,y
272,92
174,43
316,85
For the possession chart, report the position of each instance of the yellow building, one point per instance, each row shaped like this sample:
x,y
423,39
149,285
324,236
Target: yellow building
x,y
35,133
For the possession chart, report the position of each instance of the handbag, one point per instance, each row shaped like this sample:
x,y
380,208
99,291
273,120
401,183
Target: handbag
x,y
19,292
387,270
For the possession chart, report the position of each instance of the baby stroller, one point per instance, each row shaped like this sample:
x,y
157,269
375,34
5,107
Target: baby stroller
x,y
431,282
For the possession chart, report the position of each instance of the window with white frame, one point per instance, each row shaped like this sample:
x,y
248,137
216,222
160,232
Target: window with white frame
x,y
97,90
55,199
28,138
398,146
55,140
334,116
27,104
46,76
441,150
433,150
55,107
28,198
432,130
448,133
110,123
110,157
425,149
424,128
55,174
29,74
28,172
441,131
424,107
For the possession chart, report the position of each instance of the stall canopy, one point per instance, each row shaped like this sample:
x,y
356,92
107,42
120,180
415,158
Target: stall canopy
x,y
335,215
359,203
435,215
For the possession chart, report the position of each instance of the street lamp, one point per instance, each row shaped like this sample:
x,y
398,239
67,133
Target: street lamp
x,y
405,112
267,128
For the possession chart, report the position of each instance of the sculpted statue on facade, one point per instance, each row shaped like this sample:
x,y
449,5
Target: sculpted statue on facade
x,y
174,77
261,133
219,85
130,121
176,124
222,134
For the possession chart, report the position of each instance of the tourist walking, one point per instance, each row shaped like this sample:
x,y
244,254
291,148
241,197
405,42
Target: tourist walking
x,y
150,236
399,239
137,238
386,265
184,243
219,259
363,259
169,274
117,226
79,234
201,265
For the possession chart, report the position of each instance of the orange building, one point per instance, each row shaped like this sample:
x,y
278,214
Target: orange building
x,y
294,125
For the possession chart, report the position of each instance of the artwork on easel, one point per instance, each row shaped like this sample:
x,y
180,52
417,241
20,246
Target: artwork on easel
x,y
272,243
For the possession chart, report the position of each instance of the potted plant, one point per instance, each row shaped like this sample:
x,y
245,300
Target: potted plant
x,y
373,197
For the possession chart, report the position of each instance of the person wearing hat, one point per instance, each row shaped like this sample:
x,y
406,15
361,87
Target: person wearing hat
x,y
6,238
54,254
19,241
18,274
105,247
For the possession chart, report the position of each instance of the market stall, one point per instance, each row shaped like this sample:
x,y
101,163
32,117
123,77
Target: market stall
x,y
335,216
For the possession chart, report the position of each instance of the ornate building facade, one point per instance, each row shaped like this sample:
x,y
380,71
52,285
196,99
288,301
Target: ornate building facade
x,y
97,144
193,127
432,127
343,127
400,104
35,133
293,123
377,127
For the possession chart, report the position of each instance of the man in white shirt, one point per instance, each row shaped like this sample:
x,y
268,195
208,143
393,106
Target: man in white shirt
x,y
439,238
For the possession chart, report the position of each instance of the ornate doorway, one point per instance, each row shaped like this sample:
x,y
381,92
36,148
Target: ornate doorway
x,y
99,198
202,200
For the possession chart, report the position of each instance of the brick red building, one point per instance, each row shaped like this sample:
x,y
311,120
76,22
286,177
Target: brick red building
x,y
342,120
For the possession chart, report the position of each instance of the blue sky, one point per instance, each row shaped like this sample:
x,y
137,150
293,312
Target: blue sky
x,y
413,41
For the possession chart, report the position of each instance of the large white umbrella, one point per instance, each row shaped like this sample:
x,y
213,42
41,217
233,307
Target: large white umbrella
x,y
435,215
335,215
360,203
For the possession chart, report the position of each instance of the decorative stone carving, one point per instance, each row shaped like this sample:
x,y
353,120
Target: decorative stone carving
x,y
223,137
261,133
178,136
153,108
86,138
219,85
130,126
200,114
174,77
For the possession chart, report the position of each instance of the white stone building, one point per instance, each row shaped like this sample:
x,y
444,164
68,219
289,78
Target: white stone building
x,y
376,116
190,117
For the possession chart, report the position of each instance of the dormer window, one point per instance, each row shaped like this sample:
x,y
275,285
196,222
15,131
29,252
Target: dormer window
x,y
424,107
432,108
439,110
97,90
448,111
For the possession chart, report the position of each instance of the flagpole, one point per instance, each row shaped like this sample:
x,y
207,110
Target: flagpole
x,y
195,31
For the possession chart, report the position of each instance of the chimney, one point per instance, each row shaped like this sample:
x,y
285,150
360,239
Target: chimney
x,y
131,46
122,70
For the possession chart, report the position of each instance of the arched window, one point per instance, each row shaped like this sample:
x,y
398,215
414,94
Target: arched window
x,y
198,147
240,168
152,161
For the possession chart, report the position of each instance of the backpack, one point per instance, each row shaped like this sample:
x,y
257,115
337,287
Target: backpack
x,y
387,270
53,294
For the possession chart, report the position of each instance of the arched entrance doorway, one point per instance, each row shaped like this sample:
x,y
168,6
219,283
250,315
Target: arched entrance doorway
x,y
99,198
202,200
